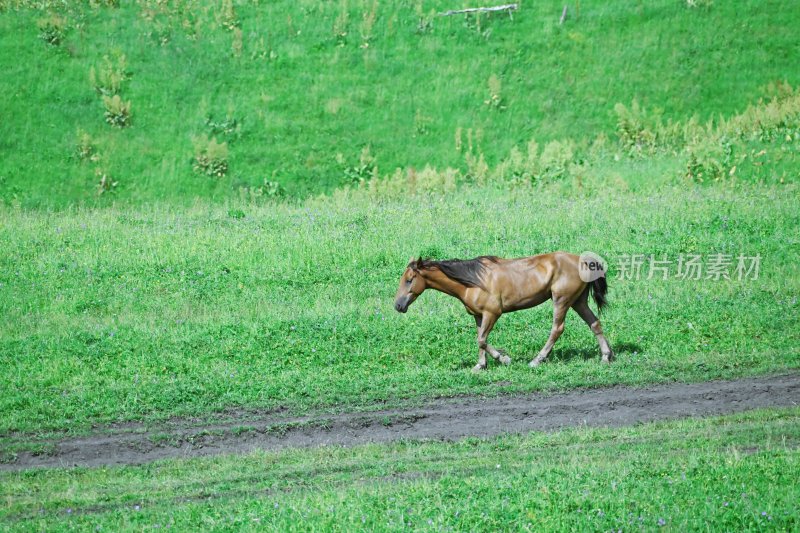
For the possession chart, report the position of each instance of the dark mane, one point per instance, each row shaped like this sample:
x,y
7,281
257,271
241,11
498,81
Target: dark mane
x,y
469,272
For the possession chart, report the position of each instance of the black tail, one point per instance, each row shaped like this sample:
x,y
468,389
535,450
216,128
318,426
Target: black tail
x,y
599,288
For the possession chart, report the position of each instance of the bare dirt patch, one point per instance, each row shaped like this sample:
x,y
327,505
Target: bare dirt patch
x,y
441,419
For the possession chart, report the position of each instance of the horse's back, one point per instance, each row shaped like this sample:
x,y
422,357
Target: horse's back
x,y
540,276
554,262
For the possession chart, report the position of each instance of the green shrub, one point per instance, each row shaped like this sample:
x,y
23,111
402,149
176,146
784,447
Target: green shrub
x,y
210,157
52,29
237,45
106,184
476,22
409,181
424,20
399,183
700,3
438,181
477,168
9,194
495,100
519,169
635,129
118,111
108,77
710,161
368,19
230,126
341,25
422,123
557,160
365,170
711,148
272,189
267,190
769,119
85,148
227,15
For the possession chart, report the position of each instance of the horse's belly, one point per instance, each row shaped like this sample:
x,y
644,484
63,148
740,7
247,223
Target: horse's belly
x,y
517,304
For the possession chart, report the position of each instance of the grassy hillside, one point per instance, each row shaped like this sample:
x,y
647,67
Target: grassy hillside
x,y
298,90
126,313
735,472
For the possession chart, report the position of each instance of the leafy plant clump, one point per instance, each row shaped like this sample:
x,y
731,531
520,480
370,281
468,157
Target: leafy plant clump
x,y
118,111
227,16
495,100
362,172
108,77
267,190
106,184
210,157
85,149
229,126
52,29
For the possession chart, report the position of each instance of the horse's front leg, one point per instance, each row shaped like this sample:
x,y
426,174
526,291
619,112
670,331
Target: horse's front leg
x,y
499,355
485,323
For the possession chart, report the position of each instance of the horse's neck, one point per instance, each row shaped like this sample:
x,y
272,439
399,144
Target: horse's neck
x,y
439,281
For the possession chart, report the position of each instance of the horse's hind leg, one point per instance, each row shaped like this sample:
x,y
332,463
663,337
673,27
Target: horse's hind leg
x,y
560,307
582,308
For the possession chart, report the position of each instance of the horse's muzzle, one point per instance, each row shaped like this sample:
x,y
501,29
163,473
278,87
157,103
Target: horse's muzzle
x,y
402,303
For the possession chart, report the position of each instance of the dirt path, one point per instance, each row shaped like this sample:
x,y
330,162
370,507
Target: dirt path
x,y
439,419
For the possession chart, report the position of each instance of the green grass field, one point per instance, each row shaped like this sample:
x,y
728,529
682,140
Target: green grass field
x,y
121,314
732,473
234,238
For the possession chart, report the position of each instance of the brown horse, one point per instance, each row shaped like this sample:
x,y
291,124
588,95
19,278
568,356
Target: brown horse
x,y
489,286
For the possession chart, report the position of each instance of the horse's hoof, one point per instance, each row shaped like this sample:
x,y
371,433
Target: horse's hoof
x,y
505,360
478,368
608,358
534,363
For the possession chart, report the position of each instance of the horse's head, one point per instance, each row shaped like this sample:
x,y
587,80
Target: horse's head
x,y
411,285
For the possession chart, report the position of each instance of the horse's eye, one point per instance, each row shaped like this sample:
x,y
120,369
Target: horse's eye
x,y
408,282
